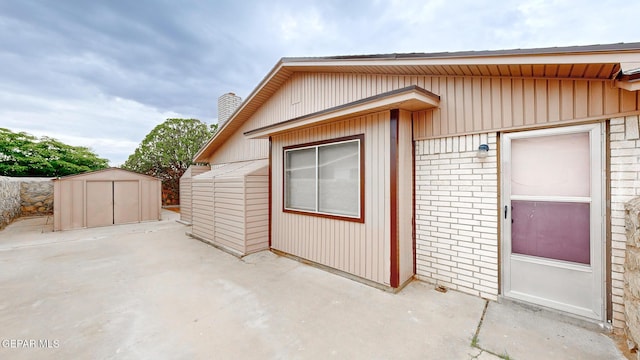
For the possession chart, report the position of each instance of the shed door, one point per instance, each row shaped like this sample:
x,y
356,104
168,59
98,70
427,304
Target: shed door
x,y
553,239
99,203
126,206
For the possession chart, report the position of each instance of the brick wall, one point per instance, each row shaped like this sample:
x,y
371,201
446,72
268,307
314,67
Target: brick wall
x,y
625,185
227,104
457,214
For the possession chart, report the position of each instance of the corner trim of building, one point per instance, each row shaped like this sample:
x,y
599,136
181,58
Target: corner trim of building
x,y
270,191
394,281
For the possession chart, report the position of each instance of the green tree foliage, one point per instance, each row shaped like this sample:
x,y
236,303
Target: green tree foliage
x,y
168,150
22,154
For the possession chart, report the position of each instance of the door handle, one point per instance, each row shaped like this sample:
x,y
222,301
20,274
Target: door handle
x,y
505,211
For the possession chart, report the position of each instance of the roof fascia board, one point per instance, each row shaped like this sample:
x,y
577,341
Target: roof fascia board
x,y
605,58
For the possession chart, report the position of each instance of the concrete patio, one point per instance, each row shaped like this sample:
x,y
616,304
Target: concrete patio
x,y
147,290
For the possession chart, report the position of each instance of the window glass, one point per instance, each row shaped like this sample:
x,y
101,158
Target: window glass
x,y
557,165
339,179
324,179
300,179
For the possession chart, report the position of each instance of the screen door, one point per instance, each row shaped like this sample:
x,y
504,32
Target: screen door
x,y
552,216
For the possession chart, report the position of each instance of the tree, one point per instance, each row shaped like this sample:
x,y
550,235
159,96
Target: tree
x,y
167,151
22,154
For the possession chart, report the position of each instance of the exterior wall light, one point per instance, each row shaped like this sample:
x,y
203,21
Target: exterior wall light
x,y
483,151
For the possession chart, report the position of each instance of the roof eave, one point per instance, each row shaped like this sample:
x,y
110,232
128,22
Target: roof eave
x,y
622,53
203,154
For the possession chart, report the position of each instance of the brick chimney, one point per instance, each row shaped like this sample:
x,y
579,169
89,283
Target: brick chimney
x,y
227,104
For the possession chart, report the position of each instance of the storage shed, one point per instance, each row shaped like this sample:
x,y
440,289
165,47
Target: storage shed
x,y
231,206
105,197
186,194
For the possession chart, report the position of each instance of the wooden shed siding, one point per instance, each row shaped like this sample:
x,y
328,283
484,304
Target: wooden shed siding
x,y
257,213
186,193
202,218
361,249
468,104
185,199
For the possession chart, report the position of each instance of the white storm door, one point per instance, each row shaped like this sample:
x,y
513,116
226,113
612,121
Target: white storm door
x,y
553,242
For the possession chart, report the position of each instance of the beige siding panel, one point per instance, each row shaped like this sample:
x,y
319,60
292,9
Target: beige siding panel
x,y
229,215
202,218
582,99
235,222
69,205
517,99
553,99
463,107
567,99
185,199
126,202
151,203
596,98
628,100
99,203
360,249
257,213
186,194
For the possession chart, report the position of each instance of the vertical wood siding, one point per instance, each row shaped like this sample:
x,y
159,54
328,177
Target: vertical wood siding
x,y
480,105
468,104
361,249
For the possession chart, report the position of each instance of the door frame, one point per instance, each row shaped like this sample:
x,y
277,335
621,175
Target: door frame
x,y
598,211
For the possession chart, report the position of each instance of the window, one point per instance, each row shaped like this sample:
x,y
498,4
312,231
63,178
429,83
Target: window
x,y
325,179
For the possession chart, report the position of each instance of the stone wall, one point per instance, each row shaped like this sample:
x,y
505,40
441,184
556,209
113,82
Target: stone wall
x,y
24,197
632,273
9,200
36,196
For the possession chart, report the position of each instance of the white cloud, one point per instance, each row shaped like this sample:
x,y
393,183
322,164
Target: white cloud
x,y
103,74
111,126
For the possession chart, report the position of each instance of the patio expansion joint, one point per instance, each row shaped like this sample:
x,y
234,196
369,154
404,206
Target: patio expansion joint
x,y
475,341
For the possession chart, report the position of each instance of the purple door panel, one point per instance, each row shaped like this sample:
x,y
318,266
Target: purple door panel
x,y
555,230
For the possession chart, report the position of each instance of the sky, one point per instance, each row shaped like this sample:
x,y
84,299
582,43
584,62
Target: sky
x,y
104,73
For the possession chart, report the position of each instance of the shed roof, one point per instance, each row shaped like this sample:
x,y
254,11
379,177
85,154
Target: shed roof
x,y
112,173
236,169
606,61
